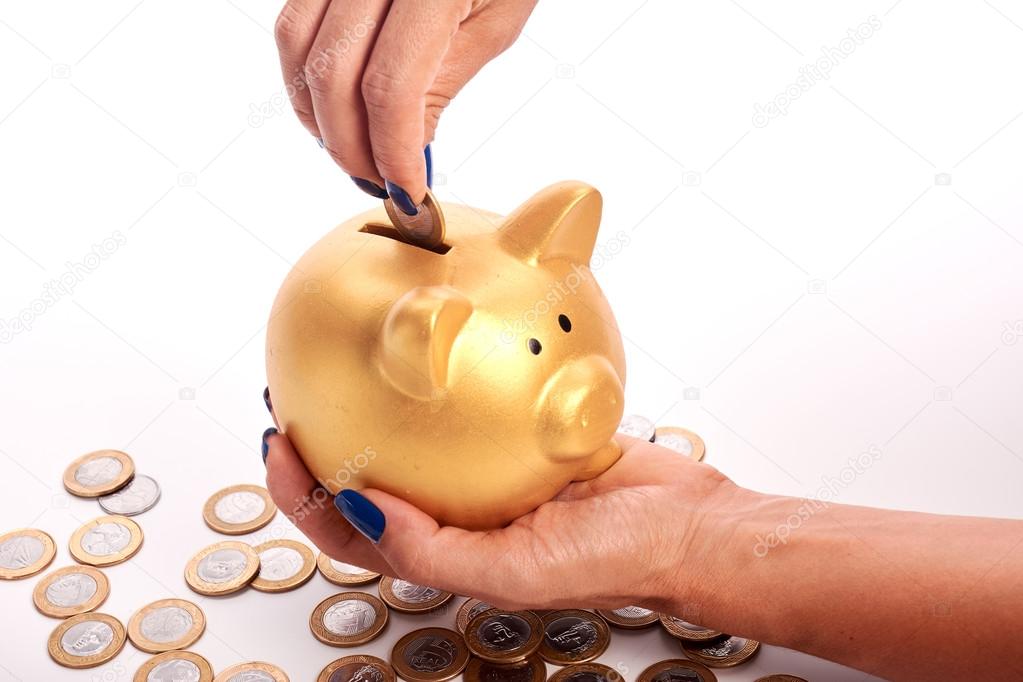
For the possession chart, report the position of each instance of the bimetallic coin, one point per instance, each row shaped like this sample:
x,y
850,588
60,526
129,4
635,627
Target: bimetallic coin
x,y
425,229
239,509
86,640
358,668
69,591
573,636
401,595
340,573
222,568
165,625
637,426
175,666
139,496
504,636
255,671
348,619
98,473
689,632
24,553
586,672
469,609
682,441
779,678
106,541
721,653
677,670
629,617
283,565
430,655
530,670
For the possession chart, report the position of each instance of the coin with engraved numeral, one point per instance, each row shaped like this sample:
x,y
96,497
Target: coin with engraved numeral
x,y
425,229
139,496
401,595
254,671
677,670
637,426
430,655
222,568
680,440
24,553
348,619
283,565
70,590
530,670
689,632
573,636
175,666
165,625
504,636
586,672
721,653
239,509
469,609
340,573
86,640
106,540
357,668
98,473
629,617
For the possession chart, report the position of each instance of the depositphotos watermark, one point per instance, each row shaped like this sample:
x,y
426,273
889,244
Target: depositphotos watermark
x,y
61,287
814,72
830,487
320,496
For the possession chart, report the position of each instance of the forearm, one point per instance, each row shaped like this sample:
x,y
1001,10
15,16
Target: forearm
x,y
875,589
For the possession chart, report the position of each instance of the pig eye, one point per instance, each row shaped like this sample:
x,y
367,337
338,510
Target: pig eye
x,y
566,324
534,346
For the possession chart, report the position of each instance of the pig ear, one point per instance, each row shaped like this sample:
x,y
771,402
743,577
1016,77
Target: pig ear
x,y
418,334
560,221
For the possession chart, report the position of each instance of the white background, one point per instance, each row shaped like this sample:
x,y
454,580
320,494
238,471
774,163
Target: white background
x,y
809,281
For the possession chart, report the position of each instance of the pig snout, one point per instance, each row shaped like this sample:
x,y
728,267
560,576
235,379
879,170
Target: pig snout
x,y
580,407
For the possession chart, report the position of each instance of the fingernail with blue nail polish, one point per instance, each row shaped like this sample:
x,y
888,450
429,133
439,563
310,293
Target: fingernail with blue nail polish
x,y
319,141
266,446
365,516
429,166
266,400
401,199
370,188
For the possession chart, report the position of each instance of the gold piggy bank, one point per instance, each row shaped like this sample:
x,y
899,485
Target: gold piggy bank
x,y
474,379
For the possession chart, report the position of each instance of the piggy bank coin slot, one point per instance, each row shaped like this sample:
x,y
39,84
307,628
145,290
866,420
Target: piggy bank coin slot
x,y
388,231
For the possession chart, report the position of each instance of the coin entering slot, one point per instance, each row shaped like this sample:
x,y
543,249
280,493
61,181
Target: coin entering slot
x,y
382,230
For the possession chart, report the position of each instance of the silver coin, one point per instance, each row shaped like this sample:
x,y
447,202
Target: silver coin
x,y
349,617
637,426
222,565
280,563
632,612
140,495
241,506
106,538
20,551
86,638
71,590
412,593
99,471
166,624
251,676
175,670
676,442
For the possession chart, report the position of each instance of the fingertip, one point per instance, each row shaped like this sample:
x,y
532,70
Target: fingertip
x,y
265,444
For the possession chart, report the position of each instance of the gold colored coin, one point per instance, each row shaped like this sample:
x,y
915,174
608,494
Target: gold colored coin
x,y
357,668
255,671
166,625
469,609
430,655
779,678
70,590
689,632
222,568
677,669
343,574
239,509
175,665
407,597
505,637
530,670
425,229
721,653
105,541
682,441
25,552
629,617
283,565
586,672
573,636
86,640
99,473
348,619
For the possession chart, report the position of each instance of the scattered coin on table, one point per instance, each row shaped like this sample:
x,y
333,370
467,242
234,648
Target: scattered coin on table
x,y
25,552
106,540
357,668
222,568
254,671
99,473
586,672
86,640
406,597
348,619
239,509
530,670
140,495
175,666
469,609
429,655
721,653
677,670
681,441
629,617
504,636
70,591
165,625
689,632
283,565
573,636
340,573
